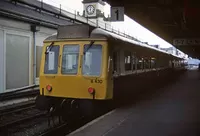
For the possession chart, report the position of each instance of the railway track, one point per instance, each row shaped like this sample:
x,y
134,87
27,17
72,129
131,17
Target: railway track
x,y
16,108
20,93
20,120
35,124
10,120
23,117
18,114
17,99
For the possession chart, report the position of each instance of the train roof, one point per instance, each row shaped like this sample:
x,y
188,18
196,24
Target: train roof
x,y
85,32
99,31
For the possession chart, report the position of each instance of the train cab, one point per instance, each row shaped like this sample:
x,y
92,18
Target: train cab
x,y
75,68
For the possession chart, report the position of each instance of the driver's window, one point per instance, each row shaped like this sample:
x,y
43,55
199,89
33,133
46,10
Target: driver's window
x,y
70,59
92,60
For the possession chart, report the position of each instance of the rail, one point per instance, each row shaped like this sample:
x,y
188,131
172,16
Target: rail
x,y
20,92
16,108
21,120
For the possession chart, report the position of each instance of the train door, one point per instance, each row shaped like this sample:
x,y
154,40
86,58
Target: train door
x,y
115,71
110,73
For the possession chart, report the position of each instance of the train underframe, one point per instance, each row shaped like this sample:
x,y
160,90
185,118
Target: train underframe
x,y
70,108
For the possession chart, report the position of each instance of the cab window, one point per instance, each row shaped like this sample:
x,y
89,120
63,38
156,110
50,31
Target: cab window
x,y
51,60
70,58
92,60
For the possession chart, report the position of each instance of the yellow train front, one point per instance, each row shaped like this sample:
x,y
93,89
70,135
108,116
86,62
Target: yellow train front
x,y
74,74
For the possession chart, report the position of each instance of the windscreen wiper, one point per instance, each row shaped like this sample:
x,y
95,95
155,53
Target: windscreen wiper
x,y
90,45
48,49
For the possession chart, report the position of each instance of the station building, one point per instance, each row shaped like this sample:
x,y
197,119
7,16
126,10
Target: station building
x,y
23,27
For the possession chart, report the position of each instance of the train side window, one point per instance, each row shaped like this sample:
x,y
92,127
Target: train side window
x,y
92,60
70,59
51,60
146,63
127,57
153,63
140,63
134,62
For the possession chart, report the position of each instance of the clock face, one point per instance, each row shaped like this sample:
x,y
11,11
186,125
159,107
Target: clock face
x,y
90,9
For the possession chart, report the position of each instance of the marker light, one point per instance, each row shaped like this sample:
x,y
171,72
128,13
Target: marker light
x,y
91,90
49,88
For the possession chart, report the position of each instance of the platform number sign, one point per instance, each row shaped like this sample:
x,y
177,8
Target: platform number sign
x,y
117,13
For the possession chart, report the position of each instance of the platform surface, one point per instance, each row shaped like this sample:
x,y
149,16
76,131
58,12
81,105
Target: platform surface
x,y
174,112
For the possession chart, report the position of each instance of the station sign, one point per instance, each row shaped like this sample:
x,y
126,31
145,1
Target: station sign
x,y
117,14
192,41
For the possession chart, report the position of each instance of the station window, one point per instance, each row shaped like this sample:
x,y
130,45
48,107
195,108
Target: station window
x,y
51,60
70,59
92,60
17,61
127,57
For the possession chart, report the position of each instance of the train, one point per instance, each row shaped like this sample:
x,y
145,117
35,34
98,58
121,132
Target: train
x,y
80,63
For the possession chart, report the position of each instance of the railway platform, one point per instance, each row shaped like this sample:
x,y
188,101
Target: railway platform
x,y
170,111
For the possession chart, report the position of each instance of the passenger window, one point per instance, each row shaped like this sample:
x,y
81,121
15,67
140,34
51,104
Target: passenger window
x,y
153,63
134,62
127,60
92,60
70,59
146,64
51,60
140,63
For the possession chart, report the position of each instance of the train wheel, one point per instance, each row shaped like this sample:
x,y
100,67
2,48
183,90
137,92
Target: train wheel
x,y
64,106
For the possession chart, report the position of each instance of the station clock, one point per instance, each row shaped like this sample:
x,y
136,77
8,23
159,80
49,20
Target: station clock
x,y
90,9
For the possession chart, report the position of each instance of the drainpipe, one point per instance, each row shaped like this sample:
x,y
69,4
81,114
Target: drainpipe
x,y
34,29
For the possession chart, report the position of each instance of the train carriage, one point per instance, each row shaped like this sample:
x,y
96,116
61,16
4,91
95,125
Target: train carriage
x,y
79,65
